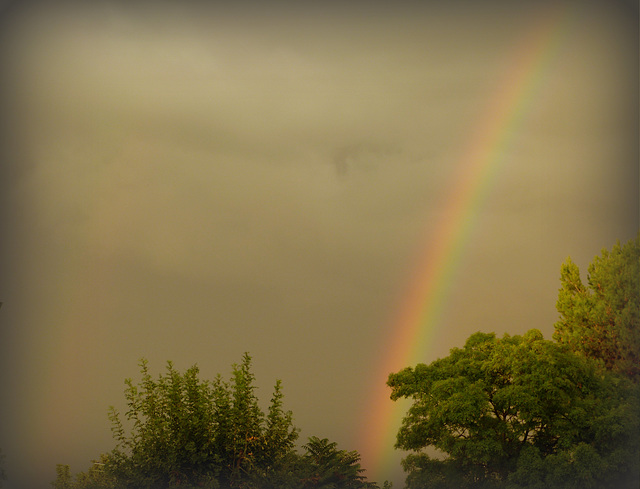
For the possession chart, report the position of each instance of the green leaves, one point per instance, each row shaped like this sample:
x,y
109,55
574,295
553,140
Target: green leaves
x,y
191,431
497,398
602,321
327,467
186,432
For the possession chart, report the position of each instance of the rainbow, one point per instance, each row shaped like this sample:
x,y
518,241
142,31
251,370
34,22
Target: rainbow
x,y
424,302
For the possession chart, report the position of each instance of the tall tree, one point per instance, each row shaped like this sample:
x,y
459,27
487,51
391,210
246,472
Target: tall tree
x,y
327,467
173,427
189,431
496,407
601,319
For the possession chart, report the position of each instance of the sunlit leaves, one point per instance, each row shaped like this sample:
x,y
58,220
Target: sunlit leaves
x,y
602,319
495,399
185,430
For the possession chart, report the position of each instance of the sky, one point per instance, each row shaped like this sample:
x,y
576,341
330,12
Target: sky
x,y
189,181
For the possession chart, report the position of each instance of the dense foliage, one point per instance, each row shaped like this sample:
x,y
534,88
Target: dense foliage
x,y
505,409
186,432
602,319
525,412
327,467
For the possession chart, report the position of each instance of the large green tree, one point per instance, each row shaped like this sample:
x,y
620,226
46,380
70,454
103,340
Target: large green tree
x,y
601,319
517,411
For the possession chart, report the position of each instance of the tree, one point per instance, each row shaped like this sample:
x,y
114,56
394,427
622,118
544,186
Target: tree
x,y
186,432
190,432
514,412
276,456
63,477
327,467
601,320
172,428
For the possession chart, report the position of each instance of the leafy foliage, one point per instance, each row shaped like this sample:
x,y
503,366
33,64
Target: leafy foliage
x,y
186,432
522,412
97,477
499,406
330,468
602,319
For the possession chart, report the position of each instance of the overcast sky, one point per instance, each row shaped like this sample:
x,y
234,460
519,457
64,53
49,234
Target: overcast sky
x,y
188,182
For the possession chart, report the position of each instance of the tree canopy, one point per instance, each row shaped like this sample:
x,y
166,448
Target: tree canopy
x,y
327,467
601,319
182,431
525,412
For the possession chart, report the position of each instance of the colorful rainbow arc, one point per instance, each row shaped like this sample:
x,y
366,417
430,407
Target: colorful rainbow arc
x,y
436,269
